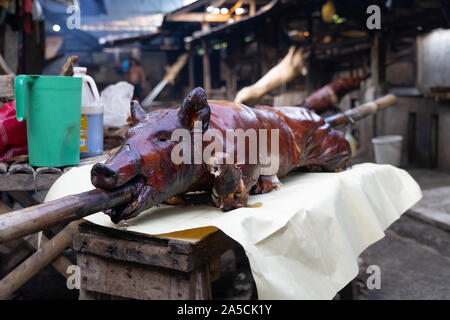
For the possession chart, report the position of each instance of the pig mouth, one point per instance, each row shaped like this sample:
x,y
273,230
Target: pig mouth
x,y
143,198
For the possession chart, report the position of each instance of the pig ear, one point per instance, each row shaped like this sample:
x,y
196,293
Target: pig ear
x,y
195,108
137,113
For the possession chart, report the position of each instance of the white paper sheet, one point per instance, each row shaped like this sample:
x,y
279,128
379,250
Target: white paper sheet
x,y
303,242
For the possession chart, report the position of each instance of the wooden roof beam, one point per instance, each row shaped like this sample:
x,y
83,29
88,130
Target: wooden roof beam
x,y
199,17
203,17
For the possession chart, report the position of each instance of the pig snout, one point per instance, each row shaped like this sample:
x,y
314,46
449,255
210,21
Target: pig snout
x,y
103,176
116,171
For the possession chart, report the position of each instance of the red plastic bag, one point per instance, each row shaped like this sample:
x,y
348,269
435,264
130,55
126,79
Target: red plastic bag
x,y
13,134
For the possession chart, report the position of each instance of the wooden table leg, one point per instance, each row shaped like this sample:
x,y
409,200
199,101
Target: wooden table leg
x,y
200,284
349,292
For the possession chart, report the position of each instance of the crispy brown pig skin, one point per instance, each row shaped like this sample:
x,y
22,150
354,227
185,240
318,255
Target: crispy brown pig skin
x,y
327,97
304,140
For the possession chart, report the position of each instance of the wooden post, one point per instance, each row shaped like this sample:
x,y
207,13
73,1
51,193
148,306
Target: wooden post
x,y
230,72
206,67
230,79
263,63
206,61
33,54
377,70
310,76
191,69
377,64
11,48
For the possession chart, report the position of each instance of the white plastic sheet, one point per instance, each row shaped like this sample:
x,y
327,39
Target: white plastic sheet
x,y
116,99
303,242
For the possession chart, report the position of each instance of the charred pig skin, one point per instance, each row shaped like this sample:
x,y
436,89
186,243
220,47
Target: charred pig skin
x,y
328,97
304,140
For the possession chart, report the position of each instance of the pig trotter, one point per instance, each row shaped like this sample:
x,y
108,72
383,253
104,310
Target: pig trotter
x,y
266,184
229,191
236,199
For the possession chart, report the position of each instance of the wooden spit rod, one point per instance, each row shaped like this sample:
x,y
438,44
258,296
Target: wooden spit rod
x,y
362,111
19,223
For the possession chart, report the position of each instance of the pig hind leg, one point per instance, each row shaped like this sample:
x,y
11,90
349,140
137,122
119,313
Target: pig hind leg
x,y
331,151
266,184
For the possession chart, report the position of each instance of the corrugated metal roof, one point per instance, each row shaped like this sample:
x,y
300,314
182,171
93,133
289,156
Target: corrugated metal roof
x,y
108,19
141,7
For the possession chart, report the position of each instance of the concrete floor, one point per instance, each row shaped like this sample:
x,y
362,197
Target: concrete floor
x,y
435,204
414,261
414,257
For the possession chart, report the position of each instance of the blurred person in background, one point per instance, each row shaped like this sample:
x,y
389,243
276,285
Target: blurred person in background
x,y
135,75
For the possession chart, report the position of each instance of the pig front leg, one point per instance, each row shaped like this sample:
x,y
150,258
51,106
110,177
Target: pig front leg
x,y
229,190
266,184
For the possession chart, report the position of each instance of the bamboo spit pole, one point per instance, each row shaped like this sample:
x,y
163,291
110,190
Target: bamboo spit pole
x,y
17,224
60,264
361,111
46,254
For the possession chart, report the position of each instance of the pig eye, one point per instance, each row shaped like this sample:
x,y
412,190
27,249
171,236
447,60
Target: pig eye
x,y
163,136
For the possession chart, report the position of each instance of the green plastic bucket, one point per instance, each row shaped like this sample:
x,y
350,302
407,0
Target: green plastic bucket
x,y
52,107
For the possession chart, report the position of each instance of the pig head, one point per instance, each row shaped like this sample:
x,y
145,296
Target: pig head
x,y
145,158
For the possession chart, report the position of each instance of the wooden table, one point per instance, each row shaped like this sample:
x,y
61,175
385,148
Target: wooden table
x,y
116,264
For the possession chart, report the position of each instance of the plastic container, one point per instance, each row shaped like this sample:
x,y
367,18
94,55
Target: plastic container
x,y
91,129
52,107
388,149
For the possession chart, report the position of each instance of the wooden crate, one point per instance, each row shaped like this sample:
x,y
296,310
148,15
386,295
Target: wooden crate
x,y
20,176
115,264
